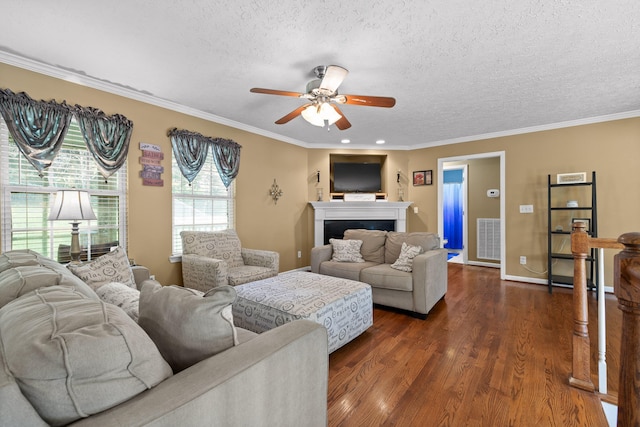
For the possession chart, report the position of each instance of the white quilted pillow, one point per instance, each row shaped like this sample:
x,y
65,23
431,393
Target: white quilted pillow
x,y
346,250
405,260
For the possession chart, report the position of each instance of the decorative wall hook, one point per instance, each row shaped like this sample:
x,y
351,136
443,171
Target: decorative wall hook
x,y
398,177
275,191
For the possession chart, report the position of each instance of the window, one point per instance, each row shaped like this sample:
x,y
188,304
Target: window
x,y
206,205
26,199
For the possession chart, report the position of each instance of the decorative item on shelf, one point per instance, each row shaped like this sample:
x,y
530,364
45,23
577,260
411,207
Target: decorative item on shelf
x,y
275,191
318,175
400,194
572,203
72,205
319,194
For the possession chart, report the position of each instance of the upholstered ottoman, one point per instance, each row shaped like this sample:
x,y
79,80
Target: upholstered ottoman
x,y
344,307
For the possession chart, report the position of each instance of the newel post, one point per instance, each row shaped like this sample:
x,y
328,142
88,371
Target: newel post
x,y
581,373
627,290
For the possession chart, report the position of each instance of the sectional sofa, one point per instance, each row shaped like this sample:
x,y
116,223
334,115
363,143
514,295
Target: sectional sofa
x,y
68,357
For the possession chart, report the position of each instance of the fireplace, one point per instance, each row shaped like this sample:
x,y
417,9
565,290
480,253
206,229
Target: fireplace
x,y
334,229
339,216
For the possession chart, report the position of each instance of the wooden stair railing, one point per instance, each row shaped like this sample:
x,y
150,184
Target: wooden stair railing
x,y
627,290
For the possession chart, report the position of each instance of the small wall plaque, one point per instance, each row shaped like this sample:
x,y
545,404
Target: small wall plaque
x,y
571,178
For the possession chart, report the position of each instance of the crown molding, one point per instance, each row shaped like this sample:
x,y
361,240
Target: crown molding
x,y
84,80
115,89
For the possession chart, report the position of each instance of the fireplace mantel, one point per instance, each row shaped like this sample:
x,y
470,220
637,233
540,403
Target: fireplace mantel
x,y
359,211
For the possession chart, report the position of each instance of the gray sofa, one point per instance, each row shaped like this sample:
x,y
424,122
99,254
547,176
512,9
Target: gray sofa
x,y
275,378
416,291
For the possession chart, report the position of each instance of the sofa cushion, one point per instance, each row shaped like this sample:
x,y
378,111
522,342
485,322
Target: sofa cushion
x,y
346,250
19,281
393,246
81,357
346,270
122,296
224,245
187,325
405,260
373,241
383,276
111,267
18,258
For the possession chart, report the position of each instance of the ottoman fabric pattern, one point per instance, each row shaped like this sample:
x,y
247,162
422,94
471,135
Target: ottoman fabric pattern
x,y
344,307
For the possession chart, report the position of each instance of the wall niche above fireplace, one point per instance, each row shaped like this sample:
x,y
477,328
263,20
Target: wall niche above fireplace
x,y
375,159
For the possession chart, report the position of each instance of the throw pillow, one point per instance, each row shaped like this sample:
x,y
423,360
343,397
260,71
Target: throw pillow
x,y
405,260
187,325
73,356
110,267
373,241
346,250
122,296
19,281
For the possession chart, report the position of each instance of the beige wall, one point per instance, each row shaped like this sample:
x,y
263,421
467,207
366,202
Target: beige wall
x,y
610,148
260,222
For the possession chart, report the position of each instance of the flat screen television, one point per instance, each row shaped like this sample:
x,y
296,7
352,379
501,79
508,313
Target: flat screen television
x,y
356,178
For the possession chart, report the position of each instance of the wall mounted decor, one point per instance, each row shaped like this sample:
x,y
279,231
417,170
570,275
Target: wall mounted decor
x,y
418,177
151,165
275,191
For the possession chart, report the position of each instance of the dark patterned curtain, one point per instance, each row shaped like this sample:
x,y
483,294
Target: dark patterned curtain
x,y
37,127
107,137
226,155
191,148
190,152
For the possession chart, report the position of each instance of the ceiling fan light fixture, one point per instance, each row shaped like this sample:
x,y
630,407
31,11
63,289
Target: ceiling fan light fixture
x,y
321,115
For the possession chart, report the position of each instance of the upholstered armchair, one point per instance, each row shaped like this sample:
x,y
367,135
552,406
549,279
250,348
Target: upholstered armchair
x,y
214,258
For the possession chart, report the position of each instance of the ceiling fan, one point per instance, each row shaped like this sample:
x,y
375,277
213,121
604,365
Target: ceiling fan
x,y
321,93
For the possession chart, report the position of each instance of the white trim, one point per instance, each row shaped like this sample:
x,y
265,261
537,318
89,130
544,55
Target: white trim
x,y
484,264
84,80
526,280
503,196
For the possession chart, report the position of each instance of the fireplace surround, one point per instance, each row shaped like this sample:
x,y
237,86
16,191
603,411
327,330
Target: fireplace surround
x,y
371,215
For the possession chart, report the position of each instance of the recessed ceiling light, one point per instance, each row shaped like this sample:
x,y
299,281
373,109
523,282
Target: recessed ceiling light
x,y
345,141
380,141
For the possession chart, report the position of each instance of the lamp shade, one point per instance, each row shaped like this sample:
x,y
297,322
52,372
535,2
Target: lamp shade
x,y
72,205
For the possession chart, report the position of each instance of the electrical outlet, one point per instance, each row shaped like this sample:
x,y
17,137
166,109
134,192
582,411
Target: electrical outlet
x,y
523,260
299,254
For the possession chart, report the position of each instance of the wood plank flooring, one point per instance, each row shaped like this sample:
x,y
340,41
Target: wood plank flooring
x,y
492,353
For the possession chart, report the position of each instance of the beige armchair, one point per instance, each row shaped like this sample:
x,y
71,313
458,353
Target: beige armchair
x,y
214,258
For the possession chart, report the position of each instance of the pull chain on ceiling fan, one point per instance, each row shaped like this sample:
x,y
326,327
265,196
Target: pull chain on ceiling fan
x,y
321,93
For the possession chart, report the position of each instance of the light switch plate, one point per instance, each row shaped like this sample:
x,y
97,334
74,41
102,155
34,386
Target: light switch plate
x,y
526,208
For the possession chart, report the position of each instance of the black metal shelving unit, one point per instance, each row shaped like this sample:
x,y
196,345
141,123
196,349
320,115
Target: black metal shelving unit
x,y
584,212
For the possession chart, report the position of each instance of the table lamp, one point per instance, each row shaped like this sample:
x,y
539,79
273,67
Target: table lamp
x,y
72,205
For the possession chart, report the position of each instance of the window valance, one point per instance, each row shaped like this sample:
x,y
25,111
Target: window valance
x,y
191,149
39,127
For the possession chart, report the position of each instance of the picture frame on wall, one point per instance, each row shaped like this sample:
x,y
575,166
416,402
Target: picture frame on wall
x,y
428,177
419,177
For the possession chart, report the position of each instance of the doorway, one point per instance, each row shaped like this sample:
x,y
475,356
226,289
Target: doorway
x,y
474,176
454,199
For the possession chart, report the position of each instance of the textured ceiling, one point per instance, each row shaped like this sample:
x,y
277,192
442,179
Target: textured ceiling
x,y
459,69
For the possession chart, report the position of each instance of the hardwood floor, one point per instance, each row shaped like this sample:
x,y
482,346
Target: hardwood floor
x,y
492,353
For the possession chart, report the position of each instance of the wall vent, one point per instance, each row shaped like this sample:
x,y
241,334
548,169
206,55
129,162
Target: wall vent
x,y
489,238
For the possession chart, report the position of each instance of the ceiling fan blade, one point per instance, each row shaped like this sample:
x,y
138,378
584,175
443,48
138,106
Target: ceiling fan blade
x,y
342,123
292,115
369,101
275,92
333,77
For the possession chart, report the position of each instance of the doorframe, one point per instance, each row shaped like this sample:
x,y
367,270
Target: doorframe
x,y
465,225
503,234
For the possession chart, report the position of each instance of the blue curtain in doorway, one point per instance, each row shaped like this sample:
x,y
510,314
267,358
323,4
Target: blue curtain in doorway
x,y
452,208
